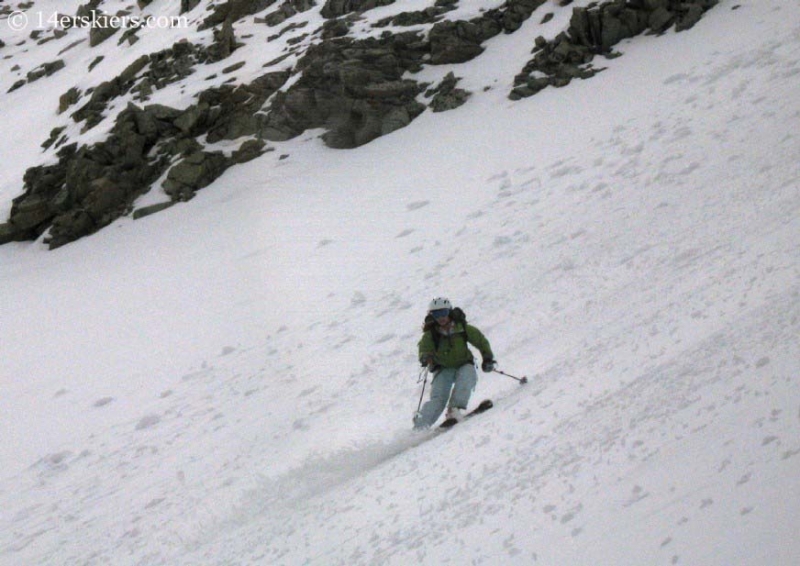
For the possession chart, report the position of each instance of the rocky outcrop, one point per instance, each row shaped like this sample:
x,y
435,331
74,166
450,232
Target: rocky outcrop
x,y
446,96
429,15
153,72
186,5
288,9
194,172
353,88
43,70
594,31
337,8
234,10
90,187
356,90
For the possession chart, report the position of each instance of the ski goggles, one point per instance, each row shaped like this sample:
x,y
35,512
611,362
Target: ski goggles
x,y
440,313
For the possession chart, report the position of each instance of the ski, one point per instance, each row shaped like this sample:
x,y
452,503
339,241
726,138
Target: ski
x,y
484,406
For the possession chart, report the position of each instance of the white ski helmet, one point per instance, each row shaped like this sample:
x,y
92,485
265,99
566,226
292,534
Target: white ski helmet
x,y
440,303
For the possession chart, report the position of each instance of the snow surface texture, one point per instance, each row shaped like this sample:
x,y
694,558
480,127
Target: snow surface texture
x,y
232,381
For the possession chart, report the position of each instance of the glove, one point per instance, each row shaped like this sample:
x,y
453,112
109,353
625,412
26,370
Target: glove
x,y
488,365
428,362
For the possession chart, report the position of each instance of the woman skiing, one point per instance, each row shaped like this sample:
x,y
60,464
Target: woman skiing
x,y
444,350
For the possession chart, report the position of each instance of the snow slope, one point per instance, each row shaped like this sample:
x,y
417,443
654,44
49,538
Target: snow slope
x,y
232,381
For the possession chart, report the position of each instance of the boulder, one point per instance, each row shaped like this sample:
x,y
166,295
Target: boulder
x,y
337,8
692,14
194,172
286,10
69,227
248,151
660,19
151,209
46,70
455,42
446,96
8,232
232,11
105,197
188,5
68,99
517,12
98,34
30,212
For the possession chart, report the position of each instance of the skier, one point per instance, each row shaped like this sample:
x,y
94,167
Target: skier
x,y
443,349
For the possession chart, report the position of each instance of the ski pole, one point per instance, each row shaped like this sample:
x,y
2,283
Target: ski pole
x,y
424,383
522,380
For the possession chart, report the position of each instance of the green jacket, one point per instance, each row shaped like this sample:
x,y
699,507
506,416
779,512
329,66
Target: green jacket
x,y
452,351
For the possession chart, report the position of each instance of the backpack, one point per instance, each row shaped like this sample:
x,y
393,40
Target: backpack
x,y
456,315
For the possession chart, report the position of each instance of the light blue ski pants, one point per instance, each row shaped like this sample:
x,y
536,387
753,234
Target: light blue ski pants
x,y
461,381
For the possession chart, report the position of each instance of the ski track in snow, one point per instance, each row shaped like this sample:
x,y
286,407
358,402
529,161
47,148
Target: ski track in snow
x,y
657,268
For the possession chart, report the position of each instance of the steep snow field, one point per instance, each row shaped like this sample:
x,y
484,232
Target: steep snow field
x,y
232,381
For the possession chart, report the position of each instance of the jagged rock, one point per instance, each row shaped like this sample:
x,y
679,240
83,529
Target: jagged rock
x,y
131,71
234,10
335,28
455,42
248,151
353,88
337,8
194,172
54,133
287,29
396,119
188,5
429,15
517,11
660,19
160,69
595,30
692,15
224,42
8,232
104,196
191,122
152,209
237,111
68,227
405,19
446,96
46,70
288,9
30,212
96,61
98,34
68,99
17,85
91,186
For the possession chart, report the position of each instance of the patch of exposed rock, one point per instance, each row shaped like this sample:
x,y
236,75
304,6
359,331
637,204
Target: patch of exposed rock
x,y
594,31
90,187
354,89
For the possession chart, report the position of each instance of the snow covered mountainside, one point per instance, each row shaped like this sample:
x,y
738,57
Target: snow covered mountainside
x,y
232,379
